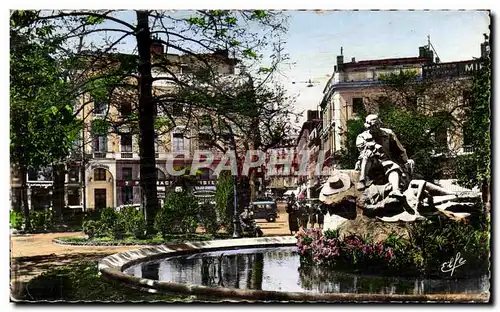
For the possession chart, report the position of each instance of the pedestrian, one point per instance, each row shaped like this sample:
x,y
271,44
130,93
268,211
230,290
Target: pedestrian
x,y
303,212
320,217
312,217
293,222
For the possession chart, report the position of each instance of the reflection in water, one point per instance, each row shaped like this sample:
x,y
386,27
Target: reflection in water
x,y
279,269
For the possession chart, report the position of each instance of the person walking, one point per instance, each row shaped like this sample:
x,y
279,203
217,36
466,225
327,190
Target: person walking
x,y
293,222
303,212
320,217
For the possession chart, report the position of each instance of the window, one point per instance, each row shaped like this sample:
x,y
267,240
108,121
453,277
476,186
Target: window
x,y
467,133
100,199
205,174
99,174
127,174
358,106
441,132
187,69
127,195
100,143
74,174
126,142
178,142
442,137
126,108
73,196
204,141
42,174
100,107
77,143
160,176
205,120
177,109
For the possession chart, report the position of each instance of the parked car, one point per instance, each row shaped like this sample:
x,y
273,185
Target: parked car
x,y
265,208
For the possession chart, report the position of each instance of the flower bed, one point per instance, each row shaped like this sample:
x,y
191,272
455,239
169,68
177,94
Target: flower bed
x,y
430,245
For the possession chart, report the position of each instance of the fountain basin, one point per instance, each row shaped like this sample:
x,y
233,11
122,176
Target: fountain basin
x,y
120,268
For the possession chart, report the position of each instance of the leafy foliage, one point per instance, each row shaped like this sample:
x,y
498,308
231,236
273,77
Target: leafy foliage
x,y
224,199
349,155
208,218
82,282
179,214
42,126
42,219
476,168
117,224
429,245
16,220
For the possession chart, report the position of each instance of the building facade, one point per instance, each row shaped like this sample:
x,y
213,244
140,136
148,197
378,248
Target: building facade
x,y
353,85
103,169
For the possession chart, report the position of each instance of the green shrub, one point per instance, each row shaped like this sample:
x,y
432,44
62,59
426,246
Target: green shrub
x,y
135,223
108,217
179,214
41,219
208,216
92,228
119,228
16,220
224,200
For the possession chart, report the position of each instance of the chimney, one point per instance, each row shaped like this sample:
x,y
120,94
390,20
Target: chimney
x,y
353,60
157,48
421,51
340,59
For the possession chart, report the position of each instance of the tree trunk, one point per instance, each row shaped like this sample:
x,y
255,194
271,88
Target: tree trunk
x,y
58,192
146,122
24,196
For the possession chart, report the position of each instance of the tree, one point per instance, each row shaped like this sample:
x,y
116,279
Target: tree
x,y
475,169
239,33
42,127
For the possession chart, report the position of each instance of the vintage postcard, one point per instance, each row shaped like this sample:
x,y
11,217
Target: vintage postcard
x,y
250,156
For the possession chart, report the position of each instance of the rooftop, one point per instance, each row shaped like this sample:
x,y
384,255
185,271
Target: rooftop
x,y
390,61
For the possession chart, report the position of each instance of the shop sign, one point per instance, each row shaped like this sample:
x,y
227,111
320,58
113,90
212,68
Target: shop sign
x,y
452,69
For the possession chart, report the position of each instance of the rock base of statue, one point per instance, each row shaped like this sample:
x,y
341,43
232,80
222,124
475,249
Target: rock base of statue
x,y
375,208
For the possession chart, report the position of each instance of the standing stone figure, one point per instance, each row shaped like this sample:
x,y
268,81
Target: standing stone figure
x,y
382,157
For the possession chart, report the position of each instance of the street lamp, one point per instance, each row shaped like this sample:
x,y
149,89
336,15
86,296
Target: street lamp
x,y
236,216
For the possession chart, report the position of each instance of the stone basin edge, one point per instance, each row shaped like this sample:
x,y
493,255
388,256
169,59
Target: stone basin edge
x,y
111,268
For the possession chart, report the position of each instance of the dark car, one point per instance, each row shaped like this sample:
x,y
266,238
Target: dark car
x,y
265,208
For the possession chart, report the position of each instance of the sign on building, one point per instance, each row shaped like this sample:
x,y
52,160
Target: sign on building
x,y
452,69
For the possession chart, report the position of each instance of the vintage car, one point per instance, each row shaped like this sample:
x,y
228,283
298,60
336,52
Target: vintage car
x,y
265,208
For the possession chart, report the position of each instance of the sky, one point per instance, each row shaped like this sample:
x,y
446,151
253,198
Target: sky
x,y
314,39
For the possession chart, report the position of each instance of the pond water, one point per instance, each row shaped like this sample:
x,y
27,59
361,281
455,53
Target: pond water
x,y
279,269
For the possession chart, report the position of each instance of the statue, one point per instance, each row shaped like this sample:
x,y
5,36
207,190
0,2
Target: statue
x,y
382,157
385,178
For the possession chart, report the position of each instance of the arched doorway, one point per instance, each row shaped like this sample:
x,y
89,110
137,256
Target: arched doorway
x,y
100,188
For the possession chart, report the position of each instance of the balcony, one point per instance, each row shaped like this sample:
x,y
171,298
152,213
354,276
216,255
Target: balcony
x,y
99,154
127,155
